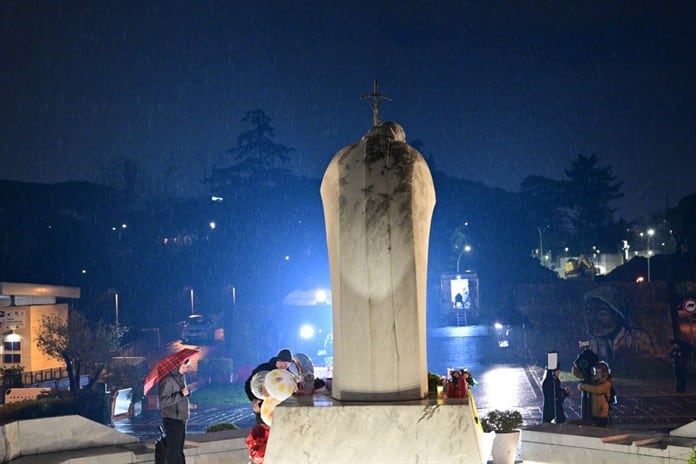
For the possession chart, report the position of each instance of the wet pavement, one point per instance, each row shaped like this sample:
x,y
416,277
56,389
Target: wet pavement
x,y
646,405
643,405
145,425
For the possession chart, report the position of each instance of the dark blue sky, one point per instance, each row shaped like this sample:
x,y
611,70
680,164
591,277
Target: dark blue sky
x,y
495,91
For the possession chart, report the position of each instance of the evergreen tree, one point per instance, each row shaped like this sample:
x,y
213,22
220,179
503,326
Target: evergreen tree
x,y
589,191
256,154
682,222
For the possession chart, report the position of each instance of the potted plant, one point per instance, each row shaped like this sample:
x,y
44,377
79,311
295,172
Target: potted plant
x,y
506,425
434,381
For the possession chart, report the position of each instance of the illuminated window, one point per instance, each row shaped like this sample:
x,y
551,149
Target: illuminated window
x,y
13,346
11,358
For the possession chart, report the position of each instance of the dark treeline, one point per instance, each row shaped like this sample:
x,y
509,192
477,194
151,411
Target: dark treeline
x,y
268,240
268,234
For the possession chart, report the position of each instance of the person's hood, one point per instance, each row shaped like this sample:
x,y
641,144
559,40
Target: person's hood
x,y
611,297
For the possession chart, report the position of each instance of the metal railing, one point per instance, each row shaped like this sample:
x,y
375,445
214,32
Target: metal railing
x,y
46,375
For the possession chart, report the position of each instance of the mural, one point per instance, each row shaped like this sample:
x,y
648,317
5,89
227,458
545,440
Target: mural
x,y
627,325
608,328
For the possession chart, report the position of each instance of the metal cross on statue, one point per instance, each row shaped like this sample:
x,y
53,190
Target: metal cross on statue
x,y
376,98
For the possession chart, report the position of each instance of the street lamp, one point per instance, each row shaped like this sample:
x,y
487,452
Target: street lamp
x,y
116,306
466,248
191,292
541,247
651,232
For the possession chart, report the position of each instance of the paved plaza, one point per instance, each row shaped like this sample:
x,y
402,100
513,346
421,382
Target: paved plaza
x,y
645,405
504,382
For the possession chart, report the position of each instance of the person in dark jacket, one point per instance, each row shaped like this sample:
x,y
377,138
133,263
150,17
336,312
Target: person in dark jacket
x,y
680,355
174,408
554,395
281,361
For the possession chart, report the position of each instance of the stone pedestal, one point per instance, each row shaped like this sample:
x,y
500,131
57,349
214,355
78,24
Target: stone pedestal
x,y
318,429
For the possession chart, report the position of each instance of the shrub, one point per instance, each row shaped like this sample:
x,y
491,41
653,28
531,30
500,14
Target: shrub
x,y
501,421
692,457
89,404
221,426
433,381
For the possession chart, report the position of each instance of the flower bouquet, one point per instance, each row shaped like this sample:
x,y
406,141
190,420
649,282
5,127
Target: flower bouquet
x,y
459,382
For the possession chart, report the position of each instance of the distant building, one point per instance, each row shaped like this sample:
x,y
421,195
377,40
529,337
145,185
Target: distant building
x,y
22,307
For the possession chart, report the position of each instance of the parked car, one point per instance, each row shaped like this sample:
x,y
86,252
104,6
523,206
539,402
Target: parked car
x,y
197,328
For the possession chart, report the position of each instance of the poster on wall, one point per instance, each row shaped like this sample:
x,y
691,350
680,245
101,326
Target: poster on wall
x,y
13,319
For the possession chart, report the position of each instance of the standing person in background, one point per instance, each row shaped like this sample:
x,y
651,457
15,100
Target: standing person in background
x,y
582,369
679,355
554,395
281,361
174,407
600,392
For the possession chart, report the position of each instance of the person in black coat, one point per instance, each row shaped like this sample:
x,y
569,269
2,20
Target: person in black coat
x,y
554,395
281,361
680,355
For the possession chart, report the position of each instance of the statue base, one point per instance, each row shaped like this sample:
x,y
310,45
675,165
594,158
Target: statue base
x,y
314,429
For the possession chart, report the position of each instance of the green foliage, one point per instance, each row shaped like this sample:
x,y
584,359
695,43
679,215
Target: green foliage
x,y
221,427
501,421
256,153
33,409
78,344
682,223
11,376
692,456
87,404
434,381
576,212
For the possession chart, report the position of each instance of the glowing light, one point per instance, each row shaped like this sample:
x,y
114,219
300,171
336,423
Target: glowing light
x,y
320,296
498,325
306,331
507,386
212,224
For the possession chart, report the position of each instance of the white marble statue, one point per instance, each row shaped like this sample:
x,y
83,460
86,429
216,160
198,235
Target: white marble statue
x,y
378,198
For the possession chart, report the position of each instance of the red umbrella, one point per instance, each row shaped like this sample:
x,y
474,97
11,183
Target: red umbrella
x,y
165,366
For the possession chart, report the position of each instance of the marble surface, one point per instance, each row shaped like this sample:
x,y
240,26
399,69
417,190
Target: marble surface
x,y
318,429
52,434
378,198
577,444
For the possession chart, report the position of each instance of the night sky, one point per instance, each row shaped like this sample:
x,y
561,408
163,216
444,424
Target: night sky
x,y
495,91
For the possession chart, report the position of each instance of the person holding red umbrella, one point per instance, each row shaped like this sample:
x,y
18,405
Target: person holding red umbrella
x,y
173,394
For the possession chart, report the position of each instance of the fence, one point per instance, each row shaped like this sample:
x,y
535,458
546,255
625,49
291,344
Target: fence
x,y
46,375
